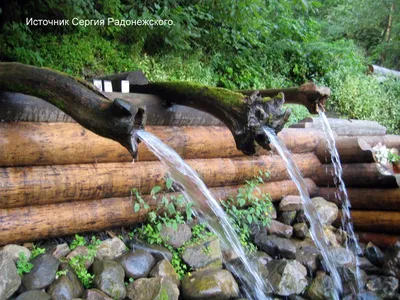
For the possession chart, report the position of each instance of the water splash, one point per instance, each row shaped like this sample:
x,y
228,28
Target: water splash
x,y
316,228
208,210
343,197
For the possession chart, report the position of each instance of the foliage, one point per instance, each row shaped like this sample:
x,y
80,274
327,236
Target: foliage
x,y
36,251
23,264
61,273
78,241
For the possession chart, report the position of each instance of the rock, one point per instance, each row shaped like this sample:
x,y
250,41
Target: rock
x,y
300,230
287,277
205,253
383,285
109,277
367,266
33,295
110,249
61,251
229,255
13,251
209,284
374,254
176,238
43,272
309,257
158,252
288,217
280,229
301,217
273,214
157,288
262,257
136,264
275,246
391,263
164,269
362,296
342,257
67,286
95,294
353,278
9,278
81,251
331,236
290,203
327,211
321,288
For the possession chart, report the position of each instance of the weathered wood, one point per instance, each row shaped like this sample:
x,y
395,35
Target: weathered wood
x,y
383,71
29,144
366,198
382,240
33,185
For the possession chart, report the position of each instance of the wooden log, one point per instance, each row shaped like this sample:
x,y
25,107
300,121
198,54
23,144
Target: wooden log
x,y
366,198
30,144
54,220
382,240
383,71
39,185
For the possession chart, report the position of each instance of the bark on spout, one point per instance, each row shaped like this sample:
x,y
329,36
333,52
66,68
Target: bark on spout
x,y
93,110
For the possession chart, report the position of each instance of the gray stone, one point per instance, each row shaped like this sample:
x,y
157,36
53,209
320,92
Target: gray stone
x,y
301,217
205,253
43,272
95,294
383,285
229,255
158,252
61,251
109,277
280,229
81,251
300,230
275,246
176,238
321,288
331,236
33,295
66,286
290,203
327,211
374,254
353,278
342,257
156,288
136,264
9,278
110,249
164,269
209,284
367,266
362,296
14,251
287,277
288,217
262,257
309,257
391,263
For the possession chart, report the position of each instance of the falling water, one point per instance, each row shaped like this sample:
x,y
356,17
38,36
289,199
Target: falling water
x,y
342,196
208,210
316,228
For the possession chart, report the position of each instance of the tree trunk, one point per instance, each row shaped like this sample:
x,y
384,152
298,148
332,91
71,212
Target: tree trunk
x,y
383,71
380,239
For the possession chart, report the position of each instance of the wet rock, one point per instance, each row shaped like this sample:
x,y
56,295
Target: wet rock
x,y
13,251
301,217
176,238
157,288
95,294
275,246
158,252
280,229
43,272
9,278
229,255
362,296
109,277
342,257
206,253
391,263
209,285
383,285
287,277
327,211
262,257
331,236
81,251
33,295
321,288
67,286
290,203
164,269
309,257
374,254
61,251
300,230
136,264
288,217
110,249
352,278
273,214
367,266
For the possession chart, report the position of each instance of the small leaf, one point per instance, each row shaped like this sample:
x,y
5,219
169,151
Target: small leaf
x,y
249,219
171,208
155,190
169,183
136,207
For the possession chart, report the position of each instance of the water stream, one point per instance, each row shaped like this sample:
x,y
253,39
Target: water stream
x,y
316,227
208,210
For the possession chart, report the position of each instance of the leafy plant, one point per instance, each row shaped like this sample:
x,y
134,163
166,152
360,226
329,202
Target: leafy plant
x,y
78,241
23,264
61,273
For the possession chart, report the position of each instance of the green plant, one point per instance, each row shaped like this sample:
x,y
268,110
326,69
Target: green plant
x,y
61,273
36,251
23,264
78,241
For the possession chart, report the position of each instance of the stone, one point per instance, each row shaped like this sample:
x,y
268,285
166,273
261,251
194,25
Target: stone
x,y
33,295
81,251
280,229
383,285
229,255
309,257
262,257
342,257
176,238
14,251
158,252
290,203
10,281
321,288
109,277
288,217
61,251
331,236
43,272
66,286
273,214
301,230
156,288
353,278
301,217
391,262
367,266
374,254
211,284
95,294
275,246
205,253
165,269
287,277
110,249
327,211
362,296
136,264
